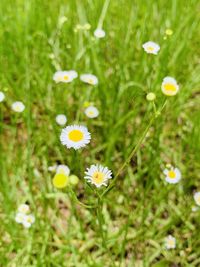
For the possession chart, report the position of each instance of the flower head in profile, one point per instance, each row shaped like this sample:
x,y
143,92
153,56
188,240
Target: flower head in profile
x,y
89,78
170,242
169,86
91,112
197,198
2,96
151,47
99,33
75,136
61,119
18,106
60,180
172,175
98,175
65,76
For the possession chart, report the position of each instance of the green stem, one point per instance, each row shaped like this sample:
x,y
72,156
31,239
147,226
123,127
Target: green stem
x,y
103,14
101,220
134,150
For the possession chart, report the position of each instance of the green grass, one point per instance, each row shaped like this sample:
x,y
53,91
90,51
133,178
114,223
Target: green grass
x,y
140,210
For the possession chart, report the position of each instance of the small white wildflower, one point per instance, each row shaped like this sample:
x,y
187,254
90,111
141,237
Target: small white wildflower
x,y
151,47
75,136
99,33
61,119
18,106
98,175
91,112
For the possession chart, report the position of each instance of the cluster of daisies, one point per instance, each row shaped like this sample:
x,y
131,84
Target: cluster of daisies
x,y
24,216
17,106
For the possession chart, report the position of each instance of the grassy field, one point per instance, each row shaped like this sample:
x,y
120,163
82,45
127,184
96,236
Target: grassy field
x,y
126,223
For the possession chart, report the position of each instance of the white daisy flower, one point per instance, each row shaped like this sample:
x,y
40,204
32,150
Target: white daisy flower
x,y
65,76
75,136
19,218
52,168
151,47
98,175
64,169
169,86
2,96
24,208
89,78
18,106
172,175
170,242
28,220
91,112
61,119
197,198
99,33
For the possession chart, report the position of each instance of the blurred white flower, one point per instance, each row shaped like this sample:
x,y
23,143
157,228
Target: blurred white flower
x,y
61,119
172,175
64,169
24,208
52,168
151,47
170,242
197,198
18,106
65,76
28,220
23,217
169,86
19,218
89,78
91,112
2,96
99,33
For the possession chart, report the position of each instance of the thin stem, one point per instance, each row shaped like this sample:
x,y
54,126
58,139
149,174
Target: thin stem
x,y
127,161
101,220
103,14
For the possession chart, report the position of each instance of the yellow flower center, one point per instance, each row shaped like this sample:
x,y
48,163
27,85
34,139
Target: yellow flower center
x,y
90,81
170,242
98,177
60,180
66,77
91,113
76,135
172,174
170,87
29,220
150,49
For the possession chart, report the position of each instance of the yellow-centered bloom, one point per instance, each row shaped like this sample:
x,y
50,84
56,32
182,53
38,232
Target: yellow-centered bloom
x,y
169,86
75,136
98,175
172,175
